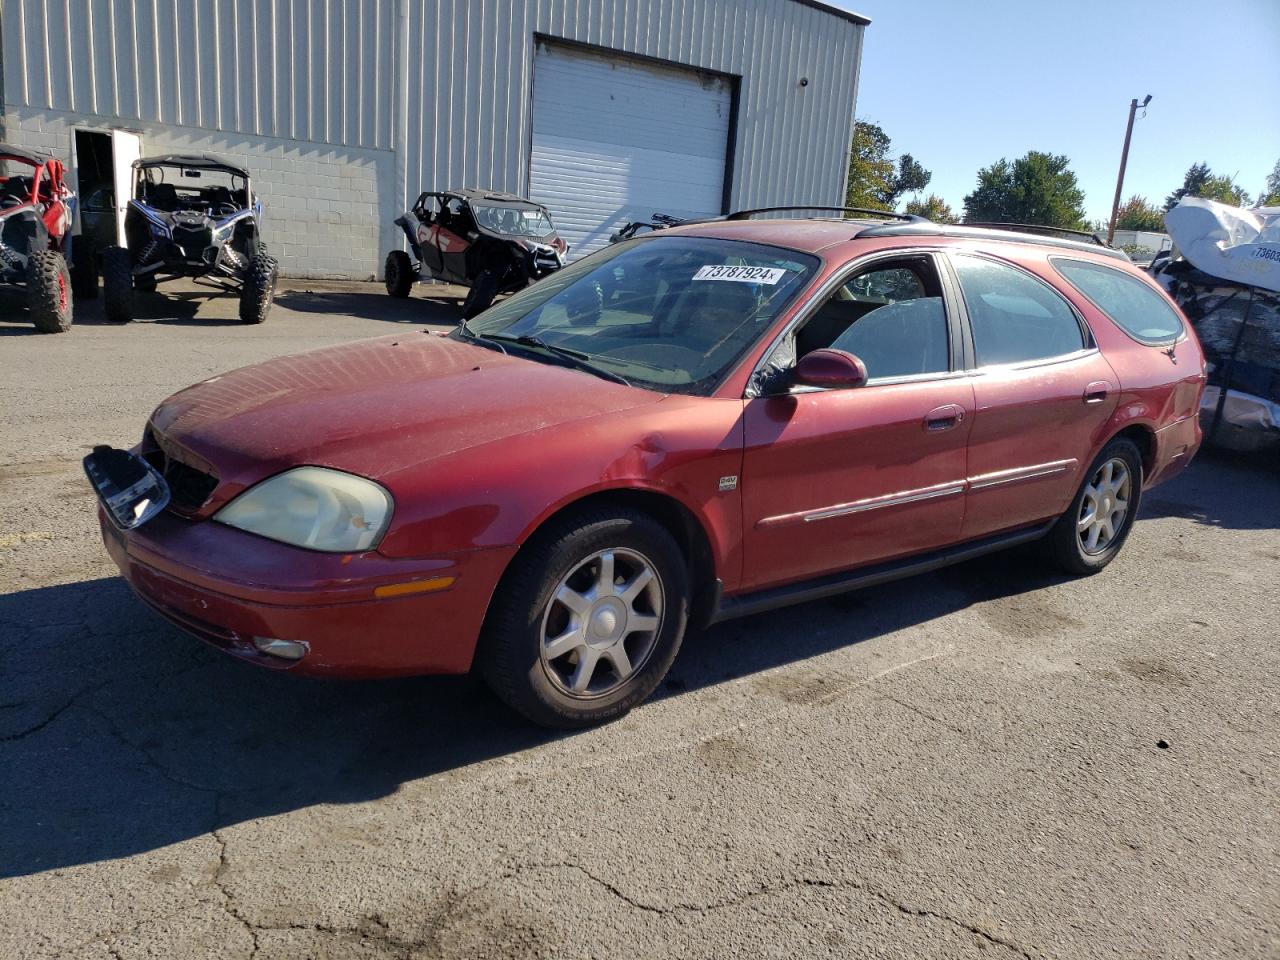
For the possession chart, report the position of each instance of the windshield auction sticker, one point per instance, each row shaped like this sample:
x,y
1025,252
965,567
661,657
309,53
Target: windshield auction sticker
x,y
769,275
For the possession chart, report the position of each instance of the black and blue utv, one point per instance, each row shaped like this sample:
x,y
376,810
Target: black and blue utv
x,y
195,217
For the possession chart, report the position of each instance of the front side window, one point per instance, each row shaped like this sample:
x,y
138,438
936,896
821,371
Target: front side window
x,y
668,313
1015,318
891,316
1134,307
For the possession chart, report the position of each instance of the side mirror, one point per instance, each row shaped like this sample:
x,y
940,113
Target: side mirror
x,y
831,368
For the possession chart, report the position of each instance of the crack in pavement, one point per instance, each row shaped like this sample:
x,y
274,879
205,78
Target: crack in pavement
x,y
70,702
771,889
924,713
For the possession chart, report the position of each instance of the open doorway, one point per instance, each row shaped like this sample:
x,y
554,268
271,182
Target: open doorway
x,y
103,163
95,188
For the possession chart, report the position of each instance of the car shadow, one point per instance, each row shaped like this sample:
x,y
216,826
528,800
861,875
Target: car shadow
x,y
120,734
437,309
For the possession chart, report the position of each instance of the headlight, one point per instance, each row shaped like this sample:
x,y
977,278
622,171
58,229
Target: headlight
x,y
313,507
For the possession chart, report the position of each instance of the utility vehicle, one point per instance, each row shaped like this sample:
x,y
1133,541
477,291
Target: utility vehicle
x,y
193,216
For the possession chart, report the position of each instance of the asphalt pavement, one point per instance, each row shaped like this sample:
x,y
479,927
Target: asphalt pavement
x,y
990,761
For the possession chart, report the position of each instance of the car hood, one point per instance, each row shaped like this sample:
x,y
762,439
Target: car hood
x,y
374,408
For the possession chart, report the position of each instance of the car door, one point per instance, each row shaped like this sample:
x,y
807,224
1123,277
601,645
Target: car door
x,y
428,213
838,478
457,232
1043,393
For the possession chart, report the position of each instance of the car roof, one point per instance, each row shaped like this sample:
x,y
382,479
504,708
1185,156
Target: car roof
x,y
197,161
24,154
491,196
814,235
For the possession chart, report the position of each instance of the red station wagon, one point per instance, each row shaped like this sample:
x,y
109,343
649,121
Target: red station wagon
x,y
697,424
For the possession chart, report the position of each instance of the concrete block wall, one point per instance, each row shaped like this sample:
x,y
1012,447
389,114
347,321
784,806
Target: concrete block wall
x,y
328,209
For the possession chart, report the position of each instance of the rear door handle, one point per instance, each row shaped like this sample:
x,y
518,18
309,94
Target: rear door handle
x,y
943,418
1097,391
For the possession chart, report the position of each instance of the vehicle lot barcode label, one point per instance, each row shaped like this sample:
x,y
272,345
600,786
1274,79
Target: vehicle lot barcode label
x,y
769,275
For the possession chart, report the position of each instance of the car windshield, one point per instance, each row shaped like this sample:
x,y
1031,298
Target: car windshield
x,y
668,313
513,221
171,188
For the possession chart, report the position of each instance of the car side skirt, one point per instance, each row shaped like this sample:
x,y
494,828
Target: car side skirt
x,y
760,601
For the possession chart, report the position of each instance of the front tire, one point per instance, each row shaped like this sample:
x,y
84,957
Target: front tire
x,y
587,620
397,274
117,284
49,291
259,289
481,295
1090,534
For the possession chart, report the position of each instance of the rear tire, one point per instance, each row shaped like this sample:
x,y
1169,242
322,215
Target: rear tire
x,y
397,273
1090,534
481,295
528,621
49,291
117,284
259,289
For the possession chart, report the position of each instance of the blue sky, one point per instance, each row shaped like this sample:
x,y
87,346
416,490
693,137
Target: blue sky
x,y
961,84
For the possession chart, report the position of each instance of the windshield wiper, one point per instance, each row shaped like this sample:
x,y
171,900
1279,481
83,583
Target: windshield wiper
x,y
471,335
574,358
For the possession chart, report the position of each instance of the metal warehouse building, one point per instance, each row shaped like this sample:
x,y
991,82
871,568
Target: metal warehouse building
x,y
604,110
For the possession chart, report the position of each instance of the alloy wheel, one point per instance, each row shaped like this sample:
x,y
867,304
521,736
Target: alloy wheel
x,y
602,623
1104,507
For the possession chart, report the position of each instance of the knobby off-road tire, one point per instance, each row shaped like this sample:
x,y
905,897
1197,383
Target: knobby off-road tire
x,y
84,276
259,289
514,656
1090,534
49,291
117,284
481,295
397,273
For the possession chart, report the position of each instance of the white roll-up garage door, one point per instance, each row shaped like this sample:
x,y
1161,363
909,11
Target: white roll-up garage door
x,y
616,139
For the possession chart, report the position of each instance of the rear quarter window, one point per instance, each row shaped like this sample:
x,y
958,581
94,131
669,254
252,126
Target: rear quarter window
x,y
1132,305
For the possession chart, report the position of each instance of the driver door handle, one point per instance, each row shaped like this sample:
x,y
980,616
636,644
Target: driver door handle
x,y
943,418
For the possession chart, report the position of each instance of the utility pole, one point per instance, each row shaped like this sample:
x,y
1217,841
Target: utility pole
x,y
1124,159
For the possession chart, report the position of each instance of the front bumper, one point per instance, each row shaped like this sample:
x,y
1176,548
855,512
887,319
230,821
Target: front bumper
x,y
227,587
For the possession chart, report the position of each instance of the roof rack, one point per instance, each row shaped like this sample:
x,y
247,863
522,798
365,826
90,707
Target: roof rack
x,y
1012,233
873,214
1040,229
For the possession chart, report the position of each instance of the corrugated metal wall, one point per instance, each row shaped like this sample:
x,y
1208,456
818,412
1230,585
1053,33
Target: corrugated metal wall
x,y
470,69
316,70
445,85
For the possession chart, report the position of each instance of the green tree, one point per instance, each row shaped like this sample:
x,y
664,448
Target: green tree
x,y
1138,213
1225,190
1036,189
932,207
1192,184
1270,195
876,180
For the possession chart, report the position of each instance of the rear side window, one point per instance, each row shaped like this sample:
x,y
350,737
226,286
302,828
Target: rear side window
x,y
1134,307
1015,317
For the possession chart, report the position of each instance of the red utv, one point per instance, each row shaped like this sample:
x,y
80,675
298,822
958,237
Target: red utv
x,y
491,242
36,211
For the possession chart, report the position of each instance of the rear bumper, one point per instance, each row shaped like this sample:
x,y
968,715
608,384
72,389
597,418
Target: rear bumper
x,y
227,587
1175,446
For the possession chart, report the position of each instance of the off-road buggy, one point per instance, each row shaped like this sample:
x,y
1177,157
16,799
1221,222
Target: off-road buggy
x,y
36,211
491,242
190,216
